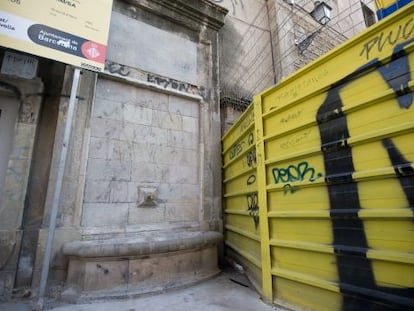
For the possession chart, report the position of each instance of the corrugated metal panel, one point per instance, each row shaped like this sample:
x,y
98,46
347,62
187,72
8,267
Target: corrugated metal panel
x,y
334,178
242,232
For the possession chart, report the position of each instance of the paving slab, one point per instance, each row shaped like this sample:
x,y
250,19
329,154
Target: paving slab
x,y
228,291
15,307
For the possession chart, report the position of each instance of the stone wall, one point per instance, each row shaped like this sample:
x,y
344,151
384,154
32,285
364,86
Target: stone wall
x,y
246,66
245,49
145,147
292,25
144,158
26,95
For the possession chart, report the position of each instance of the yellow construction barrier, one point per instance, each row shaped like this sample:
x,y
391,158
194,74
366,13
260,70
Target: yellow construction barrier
x,y
319,178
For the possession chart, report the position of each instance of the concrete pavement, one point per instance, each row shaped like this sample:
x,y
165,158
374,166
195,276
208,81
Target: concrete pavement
x,y
227,291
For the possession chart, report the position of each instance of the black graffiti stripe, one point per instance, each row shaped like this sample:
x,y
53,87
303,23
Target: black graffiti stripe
x,y
360,298
343,193
356,277
350,243
397,75
403,168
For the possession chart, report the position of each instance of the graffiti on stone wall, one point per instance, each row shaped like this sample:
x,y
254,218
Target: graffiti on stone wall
x,y
124,71
117,68
357,280
167,82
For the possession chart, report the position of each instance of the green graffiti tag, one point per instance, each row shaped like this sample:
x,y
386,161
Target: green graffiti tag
x,y
293,173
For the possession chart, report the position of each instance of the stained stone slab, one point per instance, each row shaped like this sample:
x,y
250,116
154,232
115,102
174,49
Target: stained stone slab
x,y
148,262
145,244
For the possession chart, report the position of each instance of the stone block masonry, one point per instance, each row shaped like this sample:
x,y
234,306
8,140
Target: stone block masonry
x,y
141,138
148,263
143,159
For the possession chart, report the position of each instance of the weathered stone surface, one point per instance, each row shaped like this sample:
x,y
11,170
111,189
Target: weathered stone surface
x,y
148,262
152,145
143,244
59,260
172,270
101,215
9,246
98,148
109,170
106,275
162,52
145,215
184,107
182,212
135,130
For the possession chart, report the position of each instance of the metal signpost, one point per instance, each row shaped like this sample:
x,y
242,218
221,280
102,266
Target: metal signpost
x,y
58,190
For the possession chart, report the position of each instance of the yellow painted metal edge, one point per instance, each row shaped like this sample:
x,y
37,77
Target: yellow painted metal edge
x,y
365,175
381,133
352,141
301,184
239,193
238,122
389,256
236,212
267,282
305,279
294,155
243,233
277,135
238,156
242,172
242,135
395,213
244,254
387,94
300,214
320,248
382,173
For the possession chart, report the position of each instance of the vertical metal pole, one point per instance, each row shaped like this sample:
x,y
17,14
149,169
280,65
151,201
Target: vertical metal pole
x,y
58,189
267,279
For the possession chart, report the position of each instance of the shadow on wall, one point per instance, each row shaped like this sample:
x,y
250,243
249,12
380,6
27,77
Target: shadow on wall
x,y
231,66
